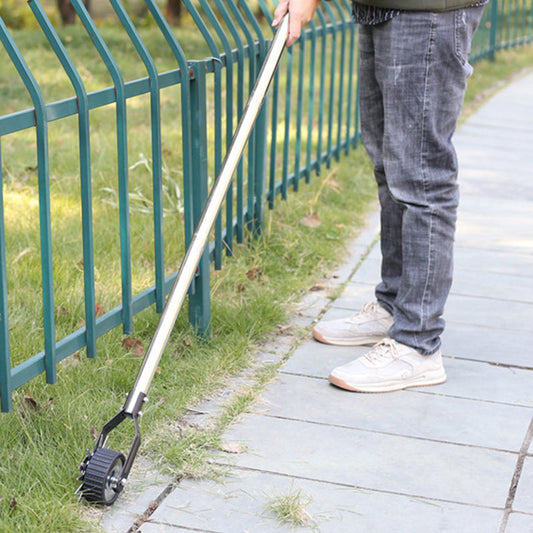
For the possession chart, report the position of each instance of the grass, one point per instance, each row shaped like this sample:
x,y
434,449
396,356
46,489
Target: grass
x,y
291,509
47,434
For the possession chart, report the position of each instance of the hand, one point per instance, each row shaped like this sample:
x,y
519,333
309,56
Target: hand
x,y
300,13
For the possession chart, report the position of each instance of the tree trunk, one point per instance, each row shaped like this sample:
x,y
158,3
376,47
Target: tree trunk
x,y
67,13
174,11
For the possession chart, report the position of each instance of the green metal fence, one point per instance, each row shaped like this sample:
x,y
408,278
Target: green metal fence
x,y
191,110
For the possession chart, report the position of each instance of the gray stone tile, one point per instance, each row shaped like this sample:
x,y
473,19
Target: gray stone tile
x,y
495,184
369,271
312,304
363,245
344,272
375,253
370,231
485,223
424,416
520,523
510,162
317,360
375,461
474,134
493,285
493,345
487,312
354,296
523,501
483,381
241,503
493,261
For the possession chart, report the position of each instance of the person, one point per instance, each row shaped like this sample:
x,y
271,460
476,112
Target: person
x,y
413,67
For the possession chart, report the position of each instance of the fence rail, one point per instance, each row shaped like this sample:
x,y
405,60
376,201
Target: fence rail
x,y
310,119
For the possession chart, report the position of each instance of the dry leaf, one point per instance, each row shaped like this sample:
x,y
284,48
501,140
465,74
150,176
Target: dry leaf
x,y
311,221
318,287
254,273
99,309
334,185
29,401
61,311
133,345
94,432
13,503
233,447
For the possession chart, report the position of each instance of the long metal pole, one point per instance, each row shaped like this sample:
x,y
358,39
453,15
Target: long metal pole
x,y
201,235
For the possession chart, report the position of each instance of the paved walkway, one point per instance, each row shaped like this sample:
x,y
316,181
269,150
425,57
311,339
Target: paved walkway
x,y
455,458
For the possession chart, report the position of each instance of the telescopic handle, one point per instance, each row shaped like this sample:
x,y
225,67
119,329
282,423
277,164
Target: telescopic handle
x,y
201,235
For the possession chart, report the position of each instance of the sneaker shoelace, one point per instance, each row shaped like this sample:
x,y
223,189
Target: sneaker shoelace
x,y
385,349
371,307
368,308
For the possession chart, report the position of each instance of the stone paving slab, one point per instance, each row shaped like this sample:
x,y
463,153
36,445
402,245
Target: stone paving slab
x,y
483,343
492,261
425,416
480,230
519,523
523,501
493,285
489,182
498,314
376,461
240,504
473,135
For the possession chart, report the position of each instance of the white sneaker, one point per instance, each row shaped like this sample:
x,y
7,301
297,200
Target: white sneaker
x,y
368,326
389,366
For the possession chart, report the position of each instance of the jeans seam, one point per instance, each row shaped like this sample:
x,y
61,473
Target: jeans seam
x,y
423,167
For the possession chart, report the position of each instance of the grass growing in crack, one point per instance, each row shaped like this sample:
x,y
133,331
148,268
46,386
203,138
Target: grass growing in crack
x,y
193,453
291,509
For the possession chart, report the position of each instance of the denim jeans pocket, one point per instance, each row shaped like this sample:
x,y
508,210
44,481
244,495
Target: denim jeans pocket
x,y
466,21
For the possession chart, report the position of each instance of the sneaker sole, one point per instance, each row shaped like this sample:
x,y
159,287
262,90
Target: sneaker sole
x,y
422,381
340,341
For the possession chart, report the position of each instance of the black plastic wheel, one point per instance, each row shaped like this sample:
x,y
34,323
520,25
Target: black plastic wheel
x,y
103,476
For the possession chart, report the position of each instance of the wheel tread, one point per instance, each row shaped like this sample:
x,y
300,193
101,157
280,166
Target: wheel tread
x,y
96,474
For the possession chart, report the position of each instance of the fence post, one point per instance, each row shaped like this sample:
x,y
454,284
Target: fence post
x,y
493,29
261,134
199,300
5,362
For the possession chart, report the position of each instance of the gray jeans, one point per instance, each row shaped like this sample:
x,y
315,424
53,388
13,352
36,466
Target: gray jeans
x,y
412,73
